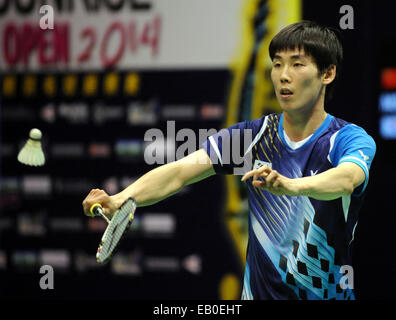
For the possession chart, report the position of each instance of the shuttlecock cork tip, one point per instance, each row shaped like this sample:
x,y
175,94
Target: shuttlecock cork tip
x,y
35,134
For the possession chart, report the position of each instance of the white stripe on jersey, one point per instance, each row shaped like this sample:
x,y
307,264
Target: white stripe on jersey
x,y
258,136
216,149
346,202
332,140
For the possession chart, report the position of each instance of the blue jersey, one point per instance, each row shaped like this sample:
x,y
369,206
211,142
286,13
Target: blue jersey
x,y
297,245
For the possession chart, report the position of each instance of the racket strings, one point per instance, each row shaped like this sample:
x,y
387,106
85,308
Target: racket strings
x,y
117,227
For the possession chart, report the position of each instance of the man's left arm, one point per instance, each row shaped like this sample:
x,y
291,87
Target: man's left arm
x,y
351,156
328,185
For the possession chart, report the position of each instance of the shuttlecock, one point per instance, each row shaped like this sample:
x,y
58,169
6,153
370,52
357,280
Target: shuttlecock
x,y
32,153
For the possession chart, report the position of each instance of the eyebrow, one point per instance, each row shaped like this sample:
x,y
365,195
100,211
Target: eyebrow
x,y
293,57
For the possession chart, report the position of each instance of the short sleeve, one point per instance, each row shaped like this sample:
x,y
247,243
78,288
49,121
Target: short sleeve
x,y
353,144
227,148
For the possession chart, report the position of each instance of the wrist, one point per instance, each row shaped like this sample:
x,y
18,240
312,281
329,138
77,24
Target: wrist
x,y
118,199
302,188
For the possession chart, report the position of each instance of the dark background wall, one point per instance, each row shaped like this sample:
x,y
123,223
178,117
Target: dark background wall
x,y
368,48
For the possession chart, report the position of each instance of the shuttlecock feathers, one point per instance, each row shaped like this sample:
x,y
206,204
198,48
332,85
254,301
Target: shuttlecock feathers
x,y
32,153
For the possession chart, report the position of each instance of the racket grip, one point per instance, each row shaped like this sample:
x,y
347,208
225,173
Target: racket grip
x,y
96,210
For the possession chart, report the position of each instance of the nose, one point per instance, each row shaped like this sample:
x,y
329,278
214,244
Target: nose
x,y
285,77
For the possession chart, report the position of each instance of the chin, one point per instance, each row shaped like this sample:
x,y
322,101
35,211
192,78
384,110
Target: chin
x,y
292,106
289,106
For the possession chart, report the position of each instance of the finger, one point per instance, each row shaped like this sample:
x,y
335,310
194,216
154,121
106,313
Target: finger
x,y
248,175
262,171
86,205
94,196
271,178
259,184
277,182
265,168
87,208
87,202
258,175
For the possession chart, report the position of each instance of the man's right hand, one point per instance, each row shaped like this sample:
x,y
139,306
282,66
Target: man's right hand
x,y
100,196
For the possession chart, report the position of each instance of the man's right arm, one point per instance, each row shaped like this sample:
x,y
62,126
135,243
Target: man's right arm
x,y
157,184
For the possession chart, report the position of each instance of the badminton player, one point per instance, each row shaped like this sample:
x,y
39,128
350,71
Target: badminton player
x,y
308,176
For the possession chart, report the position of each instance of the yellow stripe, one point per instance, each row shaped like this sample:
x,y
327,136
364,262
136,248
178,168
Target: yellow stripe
x,y
281,13
276,131
264,152
266,142
260,193
272,228
238,66
273,143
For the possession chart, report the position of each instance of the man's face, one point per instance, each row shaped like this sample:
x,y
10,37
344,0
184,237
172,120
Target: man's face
x,y
297,81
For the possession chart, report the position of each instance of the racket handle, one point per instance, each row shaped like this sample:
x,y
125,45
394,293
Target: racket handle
x,y
96,209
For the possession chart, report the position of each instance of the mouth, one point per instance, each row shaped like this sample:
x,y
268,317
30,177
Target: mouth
x,y
285,93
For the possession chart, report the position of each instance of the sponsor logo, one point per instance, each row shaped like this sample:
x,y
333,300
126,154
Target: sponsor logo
x,y
259,164
365,158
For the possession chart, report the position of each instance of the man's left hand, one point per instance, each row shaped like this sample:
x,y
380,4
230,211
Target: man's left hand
x,y
273,181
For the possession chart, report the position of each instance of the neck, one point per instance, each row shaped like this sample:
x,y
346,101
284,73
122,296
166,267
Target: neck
x,y
301,124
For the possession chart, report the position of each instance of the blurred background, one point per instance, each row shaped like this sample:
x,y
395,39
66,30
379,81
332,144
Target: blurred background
x,y
111,70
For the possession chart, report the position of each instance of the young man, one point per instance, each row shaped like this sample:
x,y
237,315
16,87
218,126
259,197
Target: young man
x,y
310,172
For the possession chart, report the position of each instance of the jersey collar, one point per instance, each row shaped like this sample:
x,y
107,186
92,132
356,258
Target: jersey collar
x,y
315,135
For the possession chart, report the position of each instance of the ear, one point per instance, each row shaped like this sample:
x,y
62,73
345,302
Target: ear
x,y
329,75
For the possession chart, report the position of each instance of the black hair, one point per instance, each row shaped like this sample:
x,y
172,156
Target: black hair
x,y
319,42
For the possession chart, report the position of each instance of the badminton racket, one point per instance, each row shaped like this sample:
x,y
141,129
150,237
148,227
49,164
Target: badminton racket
x,y
116,228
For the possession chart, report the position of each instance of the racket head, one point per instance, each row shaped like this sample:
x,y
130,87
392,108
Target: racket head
x,y
116,229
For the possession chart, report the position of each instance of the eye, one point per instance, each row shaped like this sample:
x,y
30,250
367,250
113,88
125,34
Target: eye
x,y
297,64
276,65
